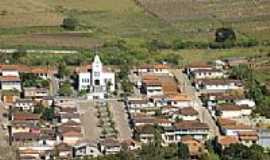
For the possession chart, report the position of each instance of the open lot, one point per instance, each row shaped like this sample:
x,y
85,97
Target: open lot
x,y
89,120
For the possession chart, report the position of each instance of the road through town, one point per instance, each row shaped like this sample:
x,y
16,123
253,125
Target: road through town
x,y
204,114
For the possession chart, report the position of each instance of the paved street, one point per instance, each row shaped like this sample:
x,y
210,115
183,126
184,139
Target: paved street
x,y
120,118
89,120
54,86
204,114
6,151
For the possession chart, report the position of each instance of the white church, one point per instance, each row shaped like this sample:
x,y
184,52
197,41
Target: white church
x,y
96,81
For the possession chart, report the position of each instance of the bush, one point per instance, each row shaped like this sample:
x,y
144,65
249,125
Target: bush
x,y
70,23
225,34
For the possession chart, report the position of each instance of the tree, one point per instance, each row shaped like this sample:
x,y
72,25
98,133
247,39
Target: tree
x,y
65,89
127,86
225,34
63,70
70,23
48,114
242,72
183,152
242,152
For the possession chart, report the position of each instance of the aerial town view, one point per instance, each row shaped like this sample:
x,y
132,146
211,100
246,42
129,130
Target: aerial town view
x,y
134,80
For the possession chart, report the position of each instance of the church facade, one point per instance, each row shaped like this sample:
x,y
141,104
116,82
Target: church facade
x,y
97,81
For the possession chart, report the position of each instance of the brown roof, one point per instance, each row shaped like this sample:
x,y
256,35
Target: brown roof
x,y
188,111
162,120
227,140
72,133
70,123
220,81
179,97
25,116
22,136
151,80
110,142
62,147
195,147
68,109
247,133
190,125
63,129
228,107
9,78
155,66
198,65
206,70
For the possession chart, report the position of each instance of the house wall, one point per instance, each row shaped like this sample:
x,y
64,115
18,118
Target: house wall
x,y
208,75
11,86
84,81
71,140
230,114
153,91
10,73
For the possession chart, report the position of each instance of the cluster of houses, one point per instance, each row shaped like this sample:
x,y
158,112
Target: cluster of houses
x,y
225,99
45,127
163,106
61,138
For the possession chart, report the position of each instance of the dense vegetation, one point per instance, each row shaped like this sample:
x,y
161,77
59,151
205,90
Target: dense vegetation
x,y
255,90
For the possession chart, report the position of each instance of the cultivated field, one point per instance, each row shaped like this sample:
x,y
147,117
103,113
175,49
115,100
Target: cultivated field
x,y
37,22
201,17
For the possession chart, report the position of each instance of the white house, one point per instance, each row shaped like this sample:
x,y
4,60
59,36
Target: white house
x,y
208,74
24,104
218,85
109,146
156,68
196,129
232,111
152,86
86,148
96,81
10,83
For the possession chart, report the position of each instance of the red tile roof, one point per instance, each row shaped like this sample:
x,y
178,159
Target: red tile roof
x,y
190,125
25,116
10,79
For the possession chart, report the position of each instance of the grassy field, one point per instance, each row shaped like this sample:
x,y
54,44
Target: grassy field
x,y
37,23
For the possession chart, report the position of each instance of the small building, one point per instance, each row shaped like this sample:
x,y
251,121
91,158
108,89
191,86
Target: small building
x,y
195,147
264,138
25,116
186,114
196,129
10,83
144,134
24,105
86,148
131,144
63,151
218,85
151,86
109,146
208,74
34,92
223,142
10,96
156,68
232,111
